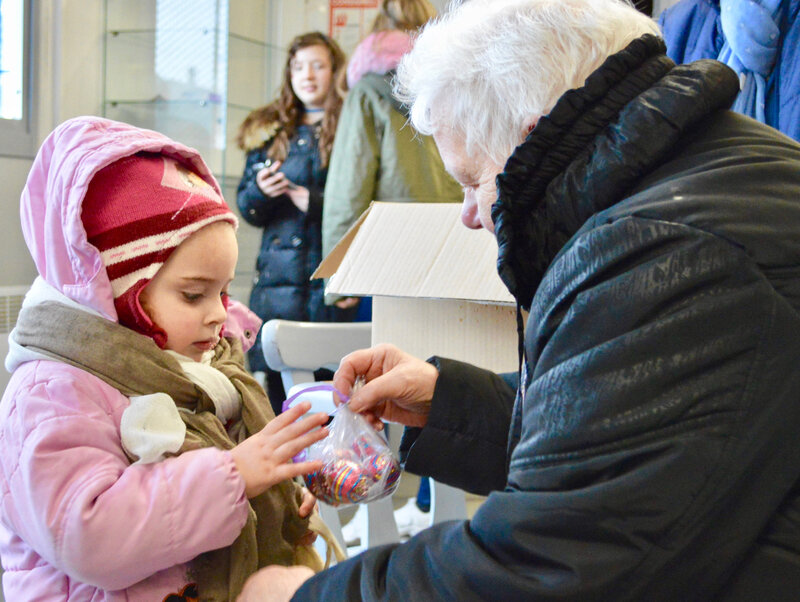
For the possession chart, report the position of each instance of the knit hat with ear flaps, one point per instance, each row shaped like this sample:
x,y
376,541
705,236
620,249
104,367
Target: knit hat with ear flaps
x,y
136,212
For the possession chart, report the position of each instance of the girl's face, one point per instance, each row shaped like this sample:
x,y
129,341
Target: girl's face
x,y
187,297
311,71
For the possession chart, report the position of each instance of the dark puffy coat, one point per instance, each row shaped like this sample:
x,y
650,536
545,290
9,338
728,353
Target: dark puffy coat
x,y
291,243
654,454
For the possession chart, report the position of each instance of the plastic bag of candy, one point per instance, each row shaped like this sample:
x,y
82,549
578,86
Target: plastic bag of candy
x,y
358,465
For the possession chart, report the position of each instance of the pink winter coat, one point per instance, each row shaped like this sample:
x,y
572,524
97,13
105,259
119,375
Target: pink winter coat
x,y
78,521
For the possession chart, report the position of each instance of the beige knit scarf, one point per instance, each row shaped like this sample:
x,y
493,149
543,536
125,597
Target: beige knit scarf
x,y
134,365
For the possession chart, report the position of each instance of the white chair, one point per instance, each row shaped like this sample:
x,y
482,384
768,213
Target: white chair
x,y
296,349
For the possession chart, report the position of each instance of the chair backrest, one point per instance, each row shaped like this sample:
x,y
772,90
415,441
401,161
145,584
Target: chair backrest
x,y
296,349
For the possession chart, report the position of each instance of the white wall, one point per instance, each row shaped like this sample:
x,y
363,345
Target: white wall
x,y
18,267
69,69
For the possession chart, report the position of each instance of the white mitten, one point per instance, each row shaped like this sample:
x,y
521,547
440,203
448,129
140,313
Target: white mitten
x,y
152,427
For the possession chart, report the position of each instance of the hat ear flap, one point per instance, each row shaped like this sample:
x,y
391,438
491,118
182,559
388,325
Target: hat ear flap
x,y
131,314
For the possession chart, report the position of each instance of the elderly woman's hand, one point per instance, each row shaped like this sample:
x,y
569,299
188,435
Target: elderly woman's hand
x,y
274,584
399,387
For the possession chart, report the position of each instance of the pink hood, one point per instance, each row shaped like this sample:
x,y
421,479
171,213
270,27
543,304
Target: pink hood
x,y
379,52
50,207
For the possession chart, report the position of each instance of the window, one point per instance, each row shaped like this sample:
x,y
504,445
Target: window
x,y
16,116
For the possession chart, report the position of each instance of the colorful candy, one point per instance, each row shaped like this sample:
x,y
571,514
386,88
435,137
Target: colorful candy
x,y
358,466
348,481
383,468
363,447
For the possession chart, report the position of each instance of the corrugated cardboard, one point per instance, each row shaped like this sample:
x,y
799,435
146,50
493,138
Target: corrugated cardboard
x,y
433,281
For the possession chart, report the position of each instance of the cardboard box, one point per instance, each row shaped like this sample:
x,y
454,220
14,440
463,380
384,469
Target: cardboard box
x,y
433,281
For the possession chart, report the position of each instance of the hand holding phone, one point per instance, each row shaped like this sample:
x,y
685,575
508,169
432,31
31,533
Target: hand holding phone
x,y
267,182
258,166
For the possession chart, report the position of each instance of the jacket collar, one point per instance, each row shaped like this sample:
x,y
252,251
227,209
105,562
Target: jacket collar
x,y
593,147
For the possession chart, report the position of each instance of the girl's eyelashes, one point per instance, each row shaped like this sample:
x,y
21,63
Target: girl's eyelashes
x,y
194,297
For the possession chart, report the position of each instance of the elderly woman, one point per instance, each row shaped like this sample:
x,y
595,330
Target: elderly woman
x,y
650,452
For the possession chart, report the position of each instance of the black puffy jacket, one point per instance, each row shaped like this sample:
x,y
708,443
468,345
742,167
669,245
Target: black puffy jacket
x,y
291,242
654,455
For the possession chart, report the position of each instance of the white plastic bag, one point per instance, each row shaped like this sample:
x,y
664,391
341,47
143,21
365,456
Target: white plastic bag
x,y
358,465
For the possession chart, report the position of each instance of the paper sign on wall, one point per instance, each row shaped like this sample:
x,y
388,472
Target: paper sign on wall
x,y
350,21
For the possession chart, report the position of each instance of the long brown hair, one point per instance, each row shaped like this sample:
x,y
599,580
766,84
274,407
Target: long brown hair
x,y
285,114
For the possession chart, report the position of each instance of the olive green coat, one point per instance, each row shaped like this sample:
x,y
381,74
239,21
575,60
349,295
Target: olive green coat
x,y
377,156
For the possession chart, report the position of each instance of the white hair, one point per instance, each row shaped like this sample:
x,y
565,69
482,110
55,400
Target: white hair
x,y
486,70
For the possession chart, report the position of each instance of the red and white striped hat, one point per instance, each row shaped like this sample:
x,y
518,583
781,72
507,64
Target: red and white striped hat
x,y
136,212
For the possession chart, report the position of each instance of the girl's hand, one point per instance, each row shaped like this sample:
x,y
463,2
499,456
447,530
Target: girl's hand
x,y
264,459
308,504
273,182
300,196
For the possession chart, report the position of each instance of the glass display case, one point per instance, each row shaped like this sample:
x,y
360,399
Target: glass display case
x,y
190,74
193,71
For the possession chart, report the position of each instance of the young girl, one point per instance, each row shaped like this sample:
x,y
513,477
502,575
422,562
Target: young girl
x,y
288,143
139,460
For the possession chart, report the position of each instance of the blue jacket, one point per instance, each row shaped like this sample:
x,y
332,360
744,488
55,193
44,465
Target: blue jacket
x,y
692,30
291,242
654,452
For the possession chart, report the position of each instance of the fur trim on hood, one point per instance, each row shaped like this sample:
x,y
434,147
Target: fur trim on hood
x,y
258,128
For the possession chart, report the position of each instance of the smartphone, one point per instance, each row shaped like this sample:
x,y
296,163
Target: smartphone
x,y
262,164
